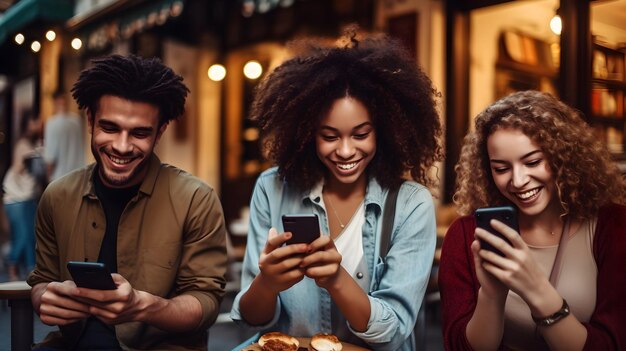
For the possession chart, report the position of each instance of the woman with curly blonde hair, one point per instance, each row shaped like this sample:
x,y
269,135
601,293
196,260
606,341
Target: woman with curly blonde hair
x,y
344,125
556,285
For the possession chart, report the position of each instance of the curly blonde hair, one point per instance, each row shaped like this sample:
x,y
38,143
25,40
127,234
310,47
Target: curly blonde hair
x,y
584,172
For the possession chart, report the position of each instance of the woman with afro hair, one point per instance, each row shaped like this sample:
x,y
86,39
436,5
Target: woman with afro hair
x,y
558,284
343,124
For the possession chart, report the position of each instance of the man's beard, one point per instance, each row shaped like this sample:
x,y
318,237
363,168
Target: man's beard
x,y
112,179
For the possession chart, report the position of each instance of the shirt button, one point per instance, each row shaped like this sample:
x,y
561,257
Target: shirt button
x,y
93,224
359,275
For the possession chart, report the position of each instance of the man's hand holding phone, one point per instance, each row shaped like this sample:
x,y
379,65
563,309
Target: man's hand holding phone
x,y
91,275
108,297
114,306
58,303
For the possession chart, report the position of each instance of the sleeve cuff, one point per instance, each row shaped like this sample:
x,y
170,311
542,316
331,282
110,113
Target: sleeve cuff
x,y
34,279
210,308
235,315
377,326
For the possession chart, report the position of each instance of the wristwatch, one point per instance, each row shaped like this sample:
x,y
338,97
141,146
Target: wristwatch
x,y
553,318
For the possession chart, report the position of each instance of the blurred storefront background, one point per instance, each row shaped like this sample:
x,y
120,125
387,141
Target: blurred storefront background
x,y
475,51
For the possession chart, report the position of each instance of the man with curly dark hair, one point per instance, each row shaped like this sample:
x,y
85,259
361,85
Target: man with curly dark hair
x,y
558,285
158,229
344,125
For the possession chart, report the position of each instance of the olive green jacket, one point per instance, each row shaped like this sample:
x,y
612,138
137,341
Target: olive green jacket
x,y
170,241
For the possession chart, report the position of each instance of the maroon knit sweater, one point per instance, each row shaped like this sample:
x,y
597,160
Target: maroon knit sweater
x,y
459,285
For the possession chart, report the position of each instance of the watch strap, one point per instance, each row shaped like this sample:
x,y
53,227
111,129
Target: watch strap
x,y
553,318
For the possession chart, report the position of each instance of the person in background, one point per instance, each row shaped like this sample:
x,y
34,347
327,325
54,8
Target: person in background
x,y
559,285
159,229
5,241
64,148
20,194
344,125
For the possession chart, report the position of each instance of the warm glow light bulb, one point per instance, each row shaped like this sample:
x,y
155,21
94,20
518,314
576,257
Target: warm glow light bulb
x,y
216,72
556,25
252,69
76,44
19,38
35,46
51,35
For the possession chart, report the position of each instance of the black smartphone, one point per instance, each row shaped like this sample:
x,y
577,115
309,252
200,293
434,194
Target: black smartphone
x,y
304,228
92,275
504,214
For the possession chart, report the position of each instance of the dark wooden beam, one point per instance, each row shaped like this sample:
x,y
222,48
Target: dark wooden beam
x,y
467,5
575,70
457,91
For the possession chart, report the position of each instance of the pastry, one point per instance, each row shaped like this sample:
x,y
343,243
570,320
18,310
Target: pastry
x,y
325,342
276,341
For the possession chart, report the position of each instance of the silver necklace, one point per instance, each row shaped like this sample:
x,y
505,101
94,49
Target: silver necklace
x,y
335,212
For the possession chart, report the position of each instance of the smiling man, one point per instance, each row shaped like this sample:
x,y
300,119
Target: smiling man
x,y
158,229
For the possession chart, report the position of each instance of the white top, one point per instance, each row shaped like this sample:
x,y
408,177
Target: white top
x,y
349,243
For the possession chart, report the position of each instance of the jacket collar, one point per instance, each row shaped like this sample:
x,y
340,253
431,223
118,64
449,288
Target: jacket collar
x,y
373,193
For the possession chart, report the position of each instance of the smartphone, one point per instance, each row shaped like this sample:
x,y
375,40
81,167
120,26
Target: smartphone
x,y
304,228
92,275
504,214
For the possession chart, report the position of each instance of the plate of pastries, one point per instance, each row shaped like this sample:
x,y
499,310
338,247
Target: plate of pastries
x,y
276,341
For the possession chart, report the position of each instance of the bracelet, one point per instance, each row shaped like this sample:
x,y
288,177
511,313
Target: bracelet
x,y
553,318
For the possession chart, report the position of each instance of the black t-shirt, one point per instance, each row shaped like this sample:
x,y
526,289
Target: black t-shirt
x,y
97,335
113,201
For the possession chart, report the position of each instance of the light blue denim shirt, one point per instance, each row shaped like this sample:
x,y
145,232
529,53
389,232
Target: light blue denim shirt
x,y
397,284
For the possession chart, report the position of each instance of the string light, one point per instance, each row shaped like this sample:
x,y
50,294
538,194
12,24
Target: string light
x,y
19,38
76,44
556,25
51,35
252,69
35,46
216,72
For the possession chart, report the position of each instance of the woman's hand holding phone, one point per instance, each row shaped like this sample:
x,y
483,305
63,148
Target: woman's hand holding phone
x,y
323,262
505,214
280,264
489,239
279,269
305,228
491,286
517,269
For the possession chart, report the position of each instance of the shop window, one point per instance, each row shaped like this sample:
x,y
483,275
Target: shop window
x,y
512,48
525,62
608,78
